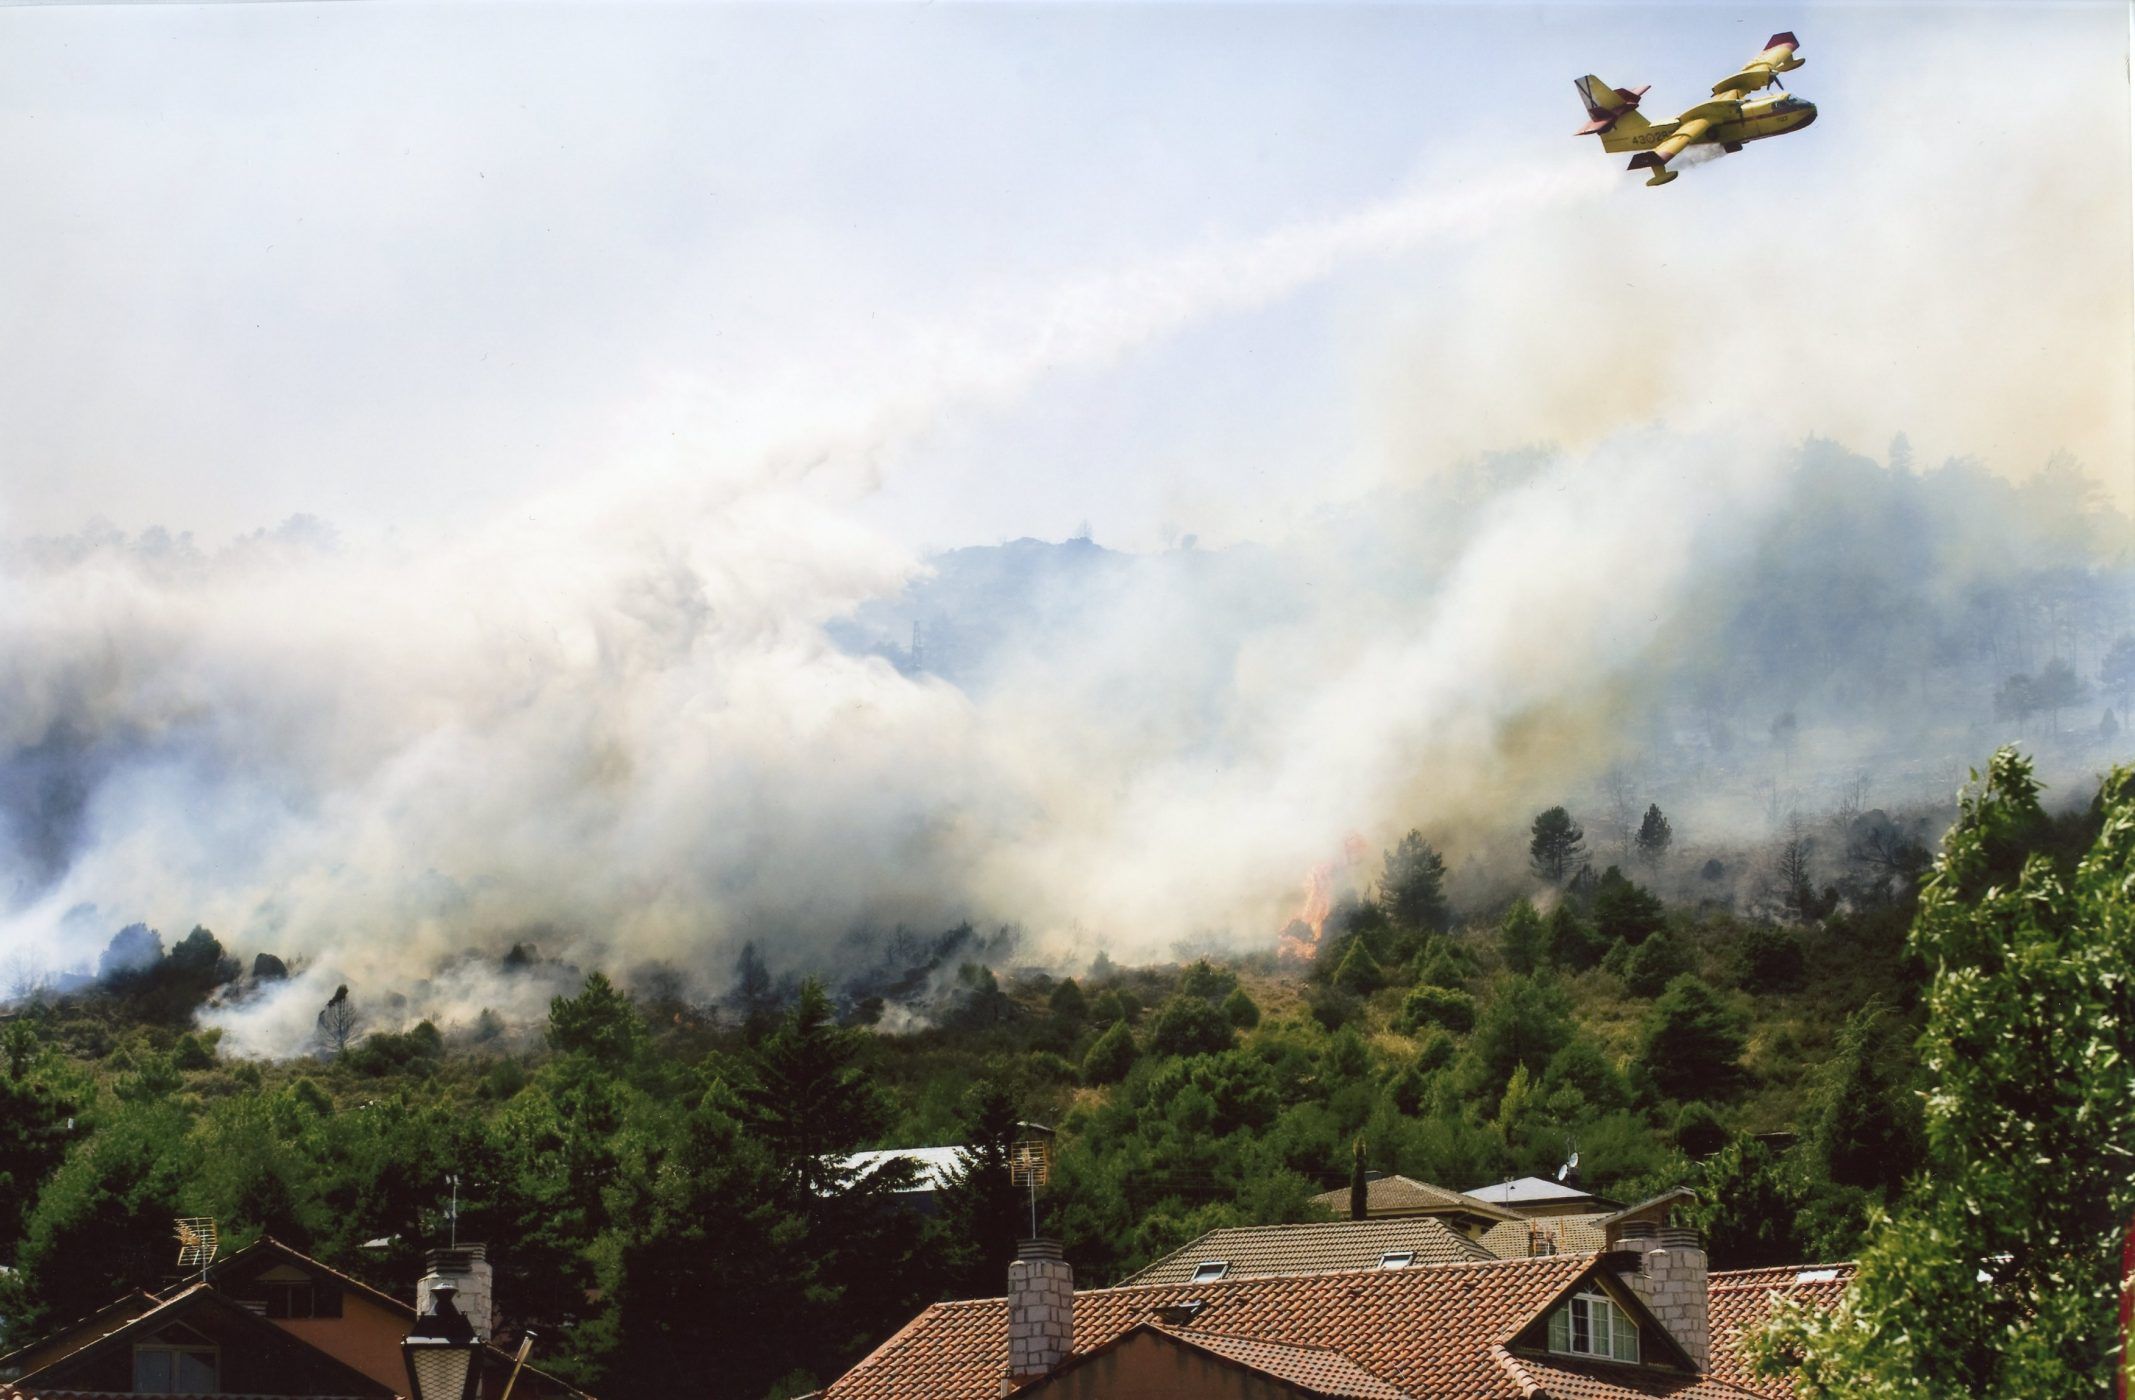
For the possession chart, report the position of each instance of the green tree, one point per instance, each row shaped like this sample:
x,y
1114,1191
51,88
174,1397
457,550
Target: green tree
x,y
1768,959
1359,1182
1068,1003
1413,885
2000,1275
1189,1026
1653,964
1110,1056
982,1211
1693,1044
1527,1022
1623,909
2116,672
1655,836
600,1023
1556,847
1573,943
1522,937
1857,1127
1207,981
1241,1010
811,1099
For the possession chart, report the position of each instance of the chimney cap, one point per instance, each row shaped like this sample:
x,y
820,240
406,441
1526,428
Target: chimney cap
x,y
1039,1249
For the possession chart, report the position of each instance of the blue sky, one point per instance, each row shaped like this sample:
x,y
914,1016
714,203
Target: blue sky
x,y
406,266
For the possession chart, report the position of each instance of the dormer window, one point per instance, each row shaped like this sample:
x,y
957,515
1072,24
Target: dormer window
x,y
1400,1260
179,1362
1211,1271
1590,1324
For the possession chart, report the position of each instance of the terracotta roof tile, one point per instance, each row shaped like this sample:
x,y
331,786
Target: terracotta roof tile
x,y
1256,1251
1401,1195
1316,1369
1567,1234
1435,1333
1740,1302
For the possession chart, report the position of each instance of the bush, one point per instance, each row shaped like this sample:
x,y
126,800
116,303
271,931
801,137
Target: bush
x,y
1434,1050
1187,1025
1240,1010
1653,964
1110,1057
1768,959
1359,972
1207,981
1437,1006
1523,938
190,1054
1698,1131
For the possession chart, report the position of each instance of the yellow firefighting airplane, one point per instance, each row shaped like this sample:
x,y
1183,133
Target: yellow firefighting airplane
x,y
1727,121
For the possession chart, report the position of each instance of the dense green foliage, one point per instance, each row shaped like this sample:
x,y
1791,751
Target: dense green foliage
x,y
1999,1274
664,1185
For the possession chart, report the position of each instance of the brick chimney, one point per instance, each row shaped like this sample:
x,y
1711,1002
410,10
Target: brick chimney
x,y
466,1268
1041,1312
1671,1283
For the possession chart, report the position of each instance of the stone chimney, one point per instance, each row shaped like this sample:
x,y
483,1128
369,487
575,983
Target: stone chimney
x,y
1671,1283
466,1268
1041,1312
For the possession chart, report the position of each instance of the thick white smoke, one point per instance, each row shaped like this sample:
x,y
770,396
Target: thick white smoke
x,y
612,722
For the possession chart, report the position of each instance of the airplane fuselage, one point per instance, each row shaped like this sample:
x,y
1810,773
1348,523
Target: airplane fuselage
x,y
1736,125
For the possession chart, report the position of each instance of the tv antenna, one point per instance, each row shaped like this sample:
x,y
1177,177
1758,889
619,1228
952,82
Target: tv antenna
x,y
452,1211
1030,1163
197,1242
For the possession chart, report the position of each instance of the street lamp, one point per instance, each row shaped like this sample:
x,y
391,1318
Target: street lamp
x,y
444,1356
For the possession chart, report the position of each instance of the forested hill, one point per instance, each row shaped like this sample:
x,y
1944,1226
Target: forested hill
x,y
660,1184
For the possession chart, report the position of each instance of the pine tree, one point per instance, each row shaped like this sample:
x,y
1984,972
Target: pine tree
x,y
1413,885
1655,836
812,1100
1557,845
1524,941
1693,1044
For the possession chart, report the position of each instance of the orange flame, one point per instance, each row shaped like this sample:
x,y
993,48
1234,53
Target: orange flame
x,y
1300,938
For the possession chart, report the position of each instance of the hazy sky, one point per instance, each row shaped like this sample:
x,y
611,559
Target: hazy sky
x,y
406,266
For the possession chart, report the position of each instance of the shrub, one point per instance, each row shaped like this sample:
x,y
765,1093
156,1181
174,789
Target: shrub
x,y
1437,1006
1110,1057
1240,1010
1653,964
1768,959
1187,1025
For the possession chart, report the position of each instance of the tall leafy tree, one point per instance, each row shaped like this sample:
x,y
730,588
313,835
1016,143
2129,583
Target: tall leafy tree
x,y
1556,846
982,1211
2001,1275
600,1023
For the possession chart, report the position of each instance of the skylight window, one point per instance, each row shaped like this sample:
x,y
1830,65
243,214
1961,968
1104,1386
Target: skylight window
x,y
1211,1271
1816,1276
1589,1324
1401,1259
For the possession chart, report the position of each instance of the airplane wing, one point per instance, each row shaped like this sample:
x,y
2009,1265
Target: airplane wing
x,y
1778,56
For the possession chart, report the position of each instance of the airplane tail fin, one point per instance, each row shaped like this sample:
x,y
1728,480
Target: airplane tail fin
x,y
1608,108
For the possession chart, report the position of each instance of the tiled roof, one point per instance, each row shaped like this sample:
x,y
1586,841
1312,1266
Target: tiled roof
x,y
1435,1333
1256,1251
1739,1303
1564,1234
1316,1369
1401,1195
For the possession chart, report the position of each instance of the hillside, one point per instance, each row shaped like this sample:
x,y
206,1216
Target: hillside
x,y
645,1153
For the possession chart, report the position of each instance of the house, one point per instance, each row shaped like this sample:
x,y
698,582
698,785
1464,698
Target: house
x,y
1262,1251
267,1321
1623,1323
1577,1232
1388,1197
